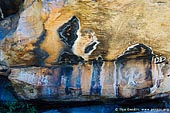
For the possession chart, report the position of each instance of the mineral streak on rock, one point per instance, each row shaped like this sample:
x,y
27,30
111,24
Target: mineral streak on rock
x,y
68,31
52,14
68,58
109,79
40,54
73,85
96,77
86,78
135,74
90,47
1,14
164,80
157,65
87,41
134,71
71,36
60,82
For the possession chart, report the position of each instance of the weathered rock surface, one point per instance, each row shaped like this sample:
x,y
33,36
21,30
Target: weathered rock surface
x,y
135,74
87,29
69,49
8,26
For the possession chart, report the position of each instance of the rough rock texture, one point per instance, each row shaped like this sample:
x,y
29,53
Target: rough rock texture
x,y
135,74
8,26
69,49
87,29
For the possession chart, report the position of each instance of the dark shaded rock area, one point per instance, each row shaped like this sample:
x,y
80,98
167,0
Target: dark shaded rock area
x,y
120,105
68,31
9,7
69,58
7,92
139,51
95,83
40,54
4,69
90,47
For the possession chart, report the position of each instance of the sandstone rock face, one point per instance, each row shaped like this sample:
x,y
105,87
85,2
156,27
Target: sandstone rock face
x,y
135,74
69,49
87,29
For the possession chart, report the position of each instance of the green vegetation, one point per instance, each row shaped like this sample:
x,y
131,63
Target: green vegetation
x,y
17,107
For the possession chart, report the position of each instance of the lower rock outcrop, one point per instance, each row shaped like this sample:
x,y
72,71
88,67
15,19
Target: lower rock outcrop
x,y
135,74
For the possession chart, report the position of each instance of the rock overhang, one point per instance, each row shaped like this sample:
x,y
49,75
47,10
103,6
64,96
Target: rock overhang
x,y
128,40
